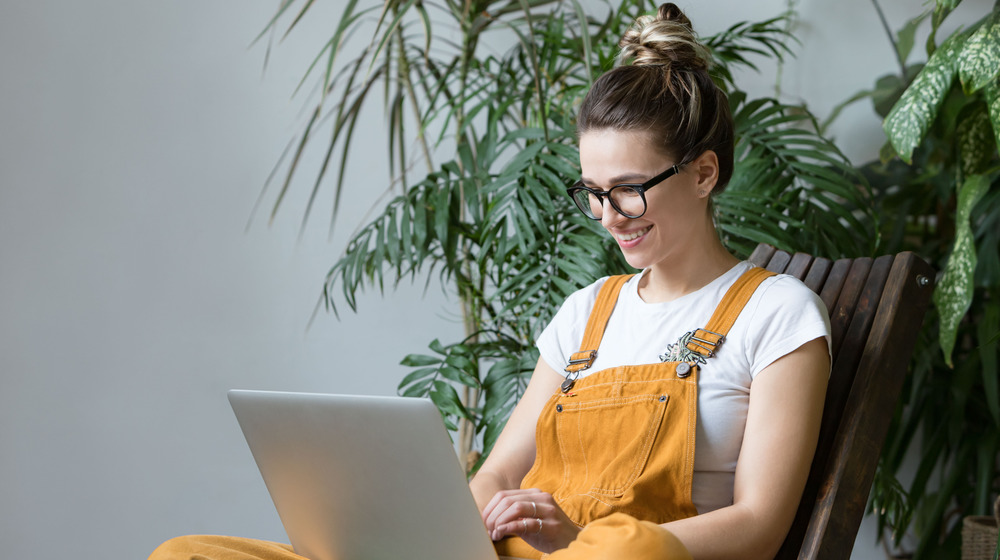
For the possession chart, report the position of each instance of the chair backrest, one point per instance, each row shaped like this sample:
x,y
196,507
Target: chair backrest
x,y
876,308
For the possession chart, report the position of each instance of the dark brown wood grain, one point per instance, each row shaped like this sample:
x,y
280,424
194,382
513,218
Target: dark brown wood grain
x,y
830,290
816,277
799,265
842,311
762,254
779,260
882,367
876,308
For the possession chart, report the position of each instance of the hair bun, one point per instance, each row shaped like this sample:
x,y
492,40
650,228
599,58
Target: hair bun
x,y
666,39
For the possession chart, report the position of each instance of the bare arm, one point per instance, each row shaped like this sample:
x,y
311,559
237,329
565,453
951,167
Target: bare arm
x,y
786,405
514,452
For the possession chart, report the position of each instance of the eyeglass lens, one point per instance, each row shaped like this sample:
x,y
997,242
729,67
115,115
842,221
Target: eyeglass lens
x,y
625,199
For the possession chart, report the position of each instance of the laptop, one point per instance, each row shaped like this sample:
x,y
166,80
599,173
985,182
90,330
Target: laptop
x,y
362,478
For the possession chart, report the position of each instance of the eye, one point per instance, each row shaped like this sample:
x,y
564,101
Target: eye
x,y
626,191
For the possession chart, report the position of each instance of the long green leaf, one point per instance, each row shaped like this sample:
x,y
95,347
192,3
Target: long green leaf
x,y
295,159
993,104
953,294
905,38
986,458
986,333
274,19
398,13
979,61
299,17
911,117
975,141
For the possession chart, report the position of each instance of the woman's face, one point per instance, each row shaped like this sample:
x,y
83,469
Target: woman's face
x,y
676,209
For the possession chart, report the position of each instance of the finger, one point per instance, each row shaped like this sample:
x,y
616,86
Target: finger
x,y
490,507
505,493
500,501
493,507
508,511
538,505
513,509
523,527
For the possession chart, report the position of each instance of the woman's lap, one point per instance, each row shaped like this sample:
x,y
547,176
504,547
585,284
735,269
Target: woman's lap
x,y
214,547
614,537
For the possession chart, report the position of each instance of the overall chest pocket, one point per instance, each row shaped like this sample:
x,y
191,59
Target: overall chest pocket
x,y
605,443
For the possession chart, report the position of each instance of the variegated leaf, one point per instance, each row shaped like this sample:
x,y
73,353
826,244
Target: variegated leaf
x,y
953,294
979,61
993,102
905,37
913,114
948,4
975,146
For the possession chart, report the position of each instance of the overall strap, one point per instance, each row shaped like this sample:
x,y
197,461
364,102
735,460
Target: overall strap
x,y
607,298
706,341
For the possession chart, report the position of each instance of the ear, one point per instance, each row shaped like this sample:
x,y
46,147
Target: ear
x,y
706,171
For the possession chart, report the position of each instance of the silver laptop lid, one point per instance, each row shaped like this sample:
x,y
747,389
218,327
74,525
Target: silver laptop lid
x,y
362,477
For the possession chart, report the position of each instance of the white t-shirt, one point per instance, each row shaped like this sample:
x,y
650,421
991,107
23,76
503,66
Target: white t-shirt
x,y
782,315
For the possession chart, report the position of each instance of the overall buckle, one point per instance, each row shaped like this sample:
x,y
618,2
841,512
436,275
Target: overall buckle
x,y
577,363
703,344
583,359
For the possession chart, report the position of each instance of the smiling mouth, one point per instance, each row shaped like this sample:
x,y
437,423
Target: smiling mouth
x,y
633,235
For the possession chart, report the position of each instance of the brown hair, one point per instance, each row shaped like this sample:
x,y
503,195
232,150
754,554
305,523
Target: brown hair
x,y
662,86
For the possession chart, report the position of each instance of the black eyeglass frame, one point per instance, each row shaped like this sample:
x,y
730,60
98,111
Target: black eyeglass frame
x,y
639,188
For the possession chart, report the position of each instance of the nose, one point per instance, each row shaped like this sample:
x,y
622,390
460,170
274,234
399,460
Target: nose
x,y
609,216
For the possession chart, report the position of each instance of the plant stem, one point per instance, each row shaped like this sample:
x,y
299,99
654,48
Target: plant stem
x,y
404,76
471,305
792,12
888,33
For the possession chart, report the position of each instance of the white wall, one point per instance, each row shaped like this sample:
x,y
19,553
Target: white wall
x,y
134,138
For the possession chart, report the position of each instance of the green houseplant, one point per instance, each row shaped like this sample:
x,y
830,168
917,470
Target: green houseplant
x,y
492,219
937,184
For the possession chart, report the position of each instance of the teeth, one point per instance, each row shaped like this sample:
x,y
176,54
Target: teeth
x,y
634,234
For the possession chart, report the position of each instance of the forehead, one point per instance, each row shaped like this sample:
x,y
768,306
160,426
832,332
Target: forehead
x,y
610,153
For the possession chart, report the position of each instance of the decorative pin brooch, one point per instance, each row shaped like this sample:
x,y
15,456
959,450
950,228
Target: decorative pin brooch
x,y
679,351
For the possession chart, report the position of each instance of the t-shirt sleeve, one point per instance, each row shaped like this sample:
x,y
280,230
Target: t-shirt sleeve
x,y
786,315
563,335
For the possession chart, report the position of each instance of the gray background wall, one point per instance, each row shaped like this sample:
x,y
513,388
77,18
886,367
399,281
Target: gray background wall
x,y
134,138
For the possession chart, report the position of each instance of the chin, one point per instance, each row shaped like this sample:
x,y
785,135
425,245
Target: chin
x,y
636,261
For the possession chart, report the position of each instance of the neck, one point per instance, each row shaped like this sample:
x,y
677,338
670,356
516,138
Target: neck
x,y
688,270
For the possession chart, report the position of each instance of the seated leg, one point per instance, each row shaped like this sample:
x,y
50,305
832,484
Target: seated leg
x,y
621,536
211,547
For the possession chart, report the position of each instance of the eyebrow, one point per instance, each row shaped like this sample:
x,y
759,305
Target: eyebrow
x,y
623,178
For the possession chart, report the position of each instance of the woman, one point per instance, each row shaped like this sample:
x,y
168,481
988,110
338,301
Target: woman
x,y
656,143
684,420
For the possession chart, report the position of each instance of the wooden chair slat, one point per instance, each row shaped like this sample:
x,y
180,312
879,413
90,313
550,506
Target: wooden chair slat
x,y
816,277
861,320
799,265
848,473
830,290
876,306
779,261
762,254
850,291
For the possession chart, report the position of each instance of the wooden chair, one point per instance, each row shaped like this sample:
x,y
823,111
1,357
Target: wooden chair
x,y
876,309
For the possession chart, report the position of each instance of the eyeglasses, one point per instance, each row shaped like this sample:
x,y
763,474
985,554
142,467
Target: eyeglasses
x,y
627,199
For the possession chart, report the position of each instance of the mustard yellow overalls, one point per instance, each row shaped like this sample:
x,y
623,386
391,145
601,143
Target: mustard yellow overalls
x,y
615,449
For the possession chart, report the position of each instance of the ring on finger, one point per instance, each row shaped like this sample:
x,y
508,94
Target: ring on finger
x,y
534,510
524,522
539,531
